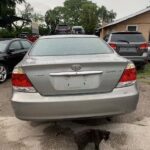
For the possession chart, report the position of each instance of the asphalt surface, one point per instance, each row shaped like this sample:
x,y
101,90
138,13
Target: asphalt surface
x,y
127,132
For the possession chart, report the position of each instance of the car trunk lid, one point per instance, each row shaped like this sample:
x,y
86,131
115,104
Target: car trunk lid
x,y
128,43
131,49
62,75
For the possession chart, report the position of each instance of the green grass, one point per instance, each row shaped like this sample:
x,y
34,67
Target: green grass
x,y
145,73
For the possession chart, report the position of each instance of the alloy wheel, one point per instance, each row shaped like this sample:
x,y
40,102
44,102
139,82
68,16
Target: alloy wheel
x,y
3,73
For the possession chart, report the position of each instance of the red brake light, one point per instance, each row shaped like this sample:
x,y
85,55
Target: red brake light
x,y
144,46
20,80
128,77
113,45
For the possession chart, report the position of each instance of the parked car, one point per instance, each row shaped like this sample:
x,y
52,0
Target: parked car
x,y
62,29
23,35
78,30
31,37
130,45
73,76
11,52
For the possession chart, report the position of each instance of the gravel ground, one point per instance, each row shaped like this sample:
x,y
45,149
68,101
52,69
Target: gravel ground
x,y
128,132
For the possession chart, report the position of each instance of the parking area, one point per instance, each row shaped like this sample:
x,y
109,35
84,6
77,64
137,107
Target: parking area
x,y
74,59
127,132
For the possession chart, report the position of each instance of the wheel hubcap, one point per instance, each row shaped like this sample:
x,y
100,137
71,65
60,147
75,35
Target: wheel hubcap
x,y
3,73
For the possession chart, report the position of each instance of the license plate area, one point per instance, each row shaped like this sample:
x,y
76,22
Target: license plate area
x,y
127,49
79,82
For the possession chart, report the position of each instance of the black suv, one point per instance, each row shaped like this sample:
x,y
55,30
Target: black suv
x,y
62,29
11,52
130,45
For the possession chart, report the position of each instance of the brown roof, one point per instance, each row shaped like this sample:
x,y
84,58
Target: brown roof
x,y
128,17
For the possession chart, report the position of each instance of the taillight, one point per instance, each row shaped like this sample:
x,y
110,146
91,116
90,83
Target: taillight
x,y
21,82
113,45
129,76
144,46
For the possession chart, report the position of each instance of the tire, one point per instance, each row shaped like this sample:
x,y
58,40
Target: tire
x,y
3,73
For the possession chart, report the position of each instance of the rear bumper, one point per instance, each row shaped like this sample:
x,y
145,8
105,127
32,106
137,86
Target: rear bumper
x,y
33,106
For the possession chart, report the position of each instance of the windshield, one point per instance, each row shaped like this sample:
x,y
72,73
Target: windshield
x,y
69,46
3,45
127,38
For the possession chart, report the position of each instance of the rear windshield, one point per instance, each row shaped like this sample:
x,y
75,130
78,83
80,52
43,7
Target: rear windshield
x,y
70,46
77,29
62,27
127,37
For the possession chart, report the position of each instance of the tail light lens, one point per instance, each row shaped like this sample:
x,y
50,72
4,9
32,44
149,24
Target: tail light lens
x,y
144,46
128,77
21,82
113,45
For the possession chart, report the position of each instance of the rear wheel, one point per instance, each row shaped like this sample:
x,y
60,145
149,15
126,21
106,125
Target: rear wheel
x,y
3,73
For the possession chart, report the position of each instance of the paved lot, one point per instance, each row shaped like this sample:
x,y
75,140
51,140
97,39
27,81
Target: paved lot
x,y
128,132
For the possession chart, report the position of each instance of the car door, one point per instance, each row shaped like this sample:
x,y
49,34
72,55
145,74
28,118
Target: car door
x,y
15,53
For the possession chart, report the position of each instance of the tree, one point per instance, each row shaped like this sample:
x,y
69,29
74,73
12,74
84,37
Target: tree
x,y
89,17
36,17
43,29
26,14
79,12
54,17
51,20
105,16
72,11
7,7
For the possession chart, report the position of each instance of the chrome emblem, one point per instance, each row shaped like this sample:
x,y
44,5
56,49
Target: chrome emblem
x,y
76,67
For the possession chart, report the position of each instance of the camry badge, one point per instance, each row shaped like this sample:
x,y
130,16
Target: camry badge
x,y
76,67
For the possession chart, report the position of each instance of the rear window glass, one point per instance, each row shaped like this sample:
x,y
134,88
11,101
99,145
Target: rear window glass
x,y
70,46
62,27
77,29
26,44
127,37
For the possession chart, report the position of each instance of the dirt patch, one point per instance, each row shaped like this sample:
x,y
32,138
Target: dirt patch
x,y
57,137
5,96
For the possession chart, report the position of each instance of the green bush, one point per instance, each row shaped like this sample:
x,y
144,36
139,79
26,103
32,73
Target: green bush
x,y
5,33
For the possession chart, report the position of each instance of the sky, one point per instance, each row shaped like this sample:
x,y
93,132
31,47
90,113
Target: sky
x,y
121,7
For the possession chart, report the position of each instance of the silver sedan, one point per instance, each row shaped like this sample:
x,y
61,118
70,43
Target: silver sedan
x,y
73,76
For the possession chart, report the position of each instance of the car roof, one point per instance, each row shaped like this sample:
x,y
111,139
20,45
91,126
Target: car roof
x,y
68,36
126,32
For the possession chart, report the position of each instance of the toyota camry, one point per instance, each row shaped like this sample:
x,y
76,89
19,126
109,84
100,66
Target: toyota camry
x,y
73,76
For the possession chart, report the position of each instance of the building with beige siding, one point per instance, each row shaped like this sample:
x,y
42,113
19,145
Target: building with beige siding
x,y
139,21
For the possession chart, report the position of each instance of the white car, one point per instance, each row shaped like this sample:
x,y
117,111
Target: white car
x,y
78,30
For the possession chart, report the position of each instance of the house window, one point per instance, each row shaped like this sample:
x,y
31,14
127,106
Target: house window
x,y
132,28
